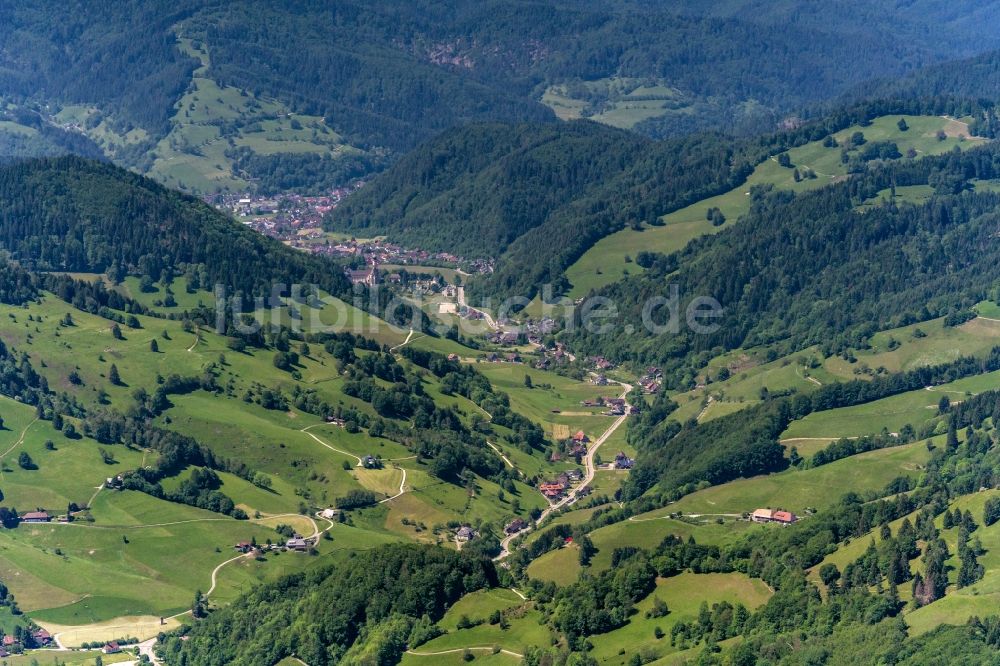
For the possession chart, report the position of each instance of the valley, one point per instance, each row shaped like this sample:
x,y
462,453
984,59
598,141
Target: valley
x,y
554,334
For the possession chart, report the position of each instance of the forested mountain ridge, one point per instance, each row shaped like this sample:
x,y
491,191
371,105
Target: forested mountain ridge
x,y
535,196
386,77
77,215
814,269
503,179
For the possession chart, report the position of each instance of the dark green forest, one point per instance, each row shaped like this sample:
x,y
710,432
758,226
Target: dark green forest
x,y
71,214
813,268
535,195
395,73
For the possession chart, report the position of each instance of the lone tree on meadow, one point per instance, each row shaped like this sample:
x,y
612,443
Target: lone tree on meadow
x,y
113,375
199,609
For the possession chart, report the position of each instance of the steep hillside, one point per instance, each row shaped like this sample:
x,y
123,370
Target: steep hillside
x,y
70,214
534,196
818,268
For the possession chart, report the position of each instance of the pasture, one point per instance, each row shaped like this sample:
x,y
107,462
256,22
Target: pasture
x,y
683,595
892,413
193,155
796,490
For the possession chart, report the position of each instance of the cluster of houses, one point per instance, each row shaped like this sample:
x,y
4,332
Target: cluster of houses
x,y
556,489
504,338
510,357
615,406
773,516
296,542
11,644
652,380
552,357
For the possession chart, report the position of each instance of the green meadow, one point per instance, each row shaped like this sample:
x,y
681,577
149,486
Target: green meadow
x,y
683,595
796,490
525,624
192,156
914,408
562,566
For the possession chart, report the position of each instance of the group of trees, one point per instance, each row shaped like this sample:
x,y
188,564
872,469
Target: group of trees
x,y
745,443
387,594
811,268
70,214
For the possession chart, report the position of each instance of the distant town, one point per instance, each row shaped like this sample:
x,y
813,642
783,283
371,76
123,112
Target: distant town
x,y
297,221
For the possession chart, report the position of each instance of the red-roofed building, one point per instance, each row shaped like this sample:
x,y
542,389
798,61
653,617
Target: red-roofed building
x,y
773,516
784,517
580,436
552,489
111,648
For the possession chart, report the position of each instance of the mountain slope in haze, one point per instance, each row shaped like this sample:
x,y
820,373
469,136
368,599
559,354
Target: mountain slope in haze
x,y
383,77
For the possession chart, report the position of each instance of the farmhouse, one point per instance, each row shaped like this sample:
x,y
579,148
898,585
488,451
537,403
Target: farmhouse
x,y
243,546
465,533
36,517
580,437
42,637
371,462
622,461
552,490
297,543
772,516
111,648
515,526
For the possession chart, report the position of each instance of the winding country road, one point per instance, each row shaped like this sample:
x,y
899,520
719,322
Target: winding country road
x,y
587,479
486,315
351,455
402,488
471,648
20,440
